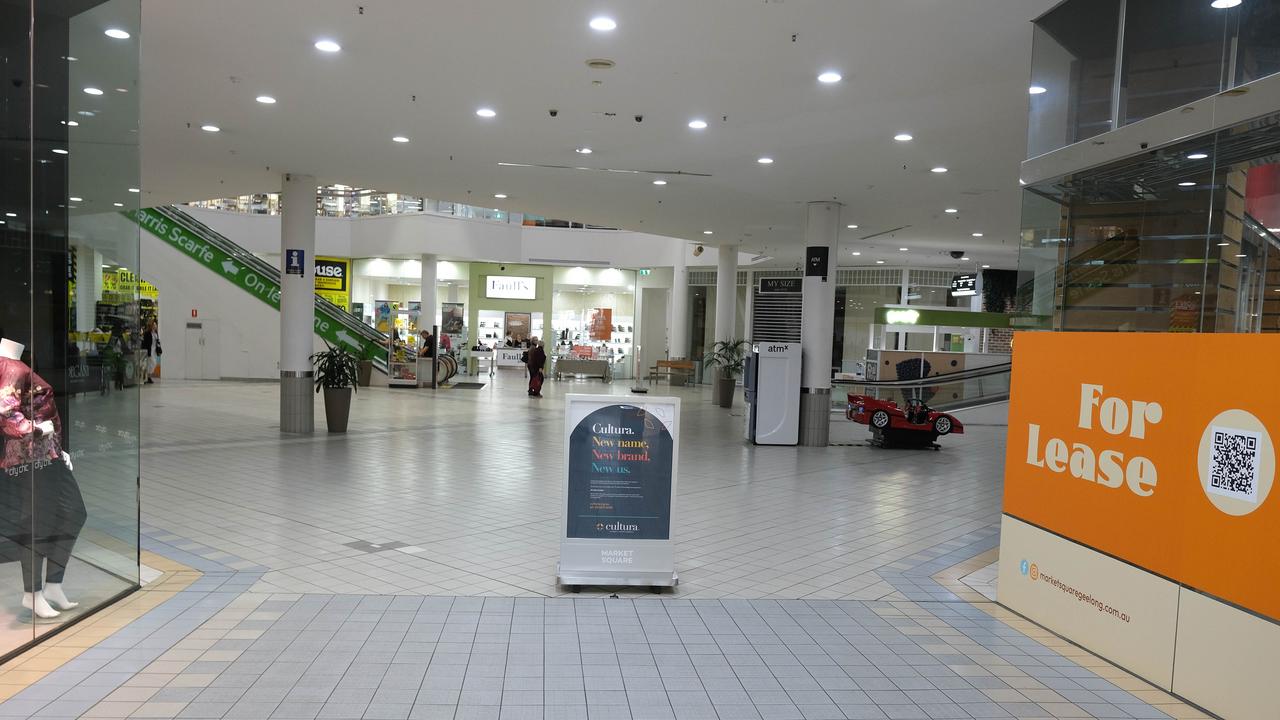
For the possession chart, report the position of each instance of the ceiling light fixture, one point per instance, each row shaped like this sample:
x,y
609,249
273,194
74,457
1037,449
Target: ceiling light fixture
x,y
1037,90
485,112
1197,156
986,266
266,99
708,232
211,128
1224,4
966,257
500,196
977,234
938,169
135,190
71,123
1273,229
765,160
328,46
659,182
116,33
879,262
903,137
852,226
118,204
698,124
86,113
92,91
1223,244
855,252
400,139
583,150
59,151
902,249
1187,183
603,24
951,210
76,199
829,77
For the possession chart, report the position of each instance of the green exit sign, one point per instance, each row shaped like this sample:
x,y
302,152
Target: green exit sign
x,y
644,272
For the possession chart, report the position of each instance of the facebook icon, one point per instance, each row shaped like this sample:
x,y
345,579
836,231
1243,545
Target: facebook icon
x,y
294,262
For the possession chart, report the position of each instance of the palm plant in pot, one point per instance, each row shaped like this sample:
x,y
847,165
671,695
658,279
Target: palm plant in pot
x,y
337,373
729,356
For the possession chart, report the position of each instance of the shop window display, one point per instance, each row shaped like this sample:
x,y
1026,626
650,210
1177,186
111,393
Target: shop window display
x,y
72,309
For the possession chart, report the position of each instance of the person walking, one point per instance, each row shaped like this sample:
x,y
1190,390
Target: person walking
x,y
151,344
537,360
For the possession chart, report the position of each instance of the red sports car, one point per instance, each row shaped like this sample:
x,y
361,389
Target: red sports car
x,y
917,421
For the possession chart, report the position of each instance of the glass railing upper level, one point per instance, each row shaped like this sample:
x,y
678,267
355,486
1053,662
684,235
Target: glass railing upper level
x,y
1098,65
343,201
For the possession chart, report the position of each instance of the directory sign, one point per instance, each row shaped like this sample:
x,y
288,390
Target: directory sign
x,y
620,483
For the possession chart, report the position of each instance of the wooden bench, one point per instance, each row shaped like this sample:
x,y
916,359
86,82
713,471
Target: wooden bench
x,y
673,370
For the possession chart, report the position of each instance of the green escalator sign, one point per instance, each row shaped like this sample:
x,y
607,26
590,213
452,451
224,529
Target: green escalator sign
x,y
266,289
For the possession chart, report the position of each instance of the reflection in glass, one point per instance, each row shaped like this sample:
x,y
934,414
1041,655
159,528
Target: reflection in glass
x,y
1072,72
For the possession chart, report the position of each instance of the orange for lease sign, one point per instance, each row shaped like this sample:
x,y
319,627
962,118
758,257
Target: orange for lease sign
x,y
1157,449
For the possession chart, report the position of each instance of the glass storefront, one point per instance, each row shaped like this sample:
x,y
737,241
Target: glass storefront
x,y
72,357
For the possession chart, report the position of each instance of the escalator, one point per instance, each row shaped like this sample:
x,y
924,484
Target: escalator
x,y
947,392
251,274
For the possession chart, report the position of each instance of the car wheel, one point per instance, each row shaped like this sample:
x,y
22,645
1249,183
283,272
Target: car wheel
x,y
942,425
880,419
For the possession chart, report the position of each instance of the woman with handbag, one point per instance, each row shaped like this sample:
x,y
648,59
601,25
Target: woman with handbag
x,y
151,344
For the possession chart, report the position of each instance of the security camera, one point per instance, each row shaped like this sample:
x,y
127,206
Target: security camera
x,y
957,254
697,250
502,267
639,118
553,112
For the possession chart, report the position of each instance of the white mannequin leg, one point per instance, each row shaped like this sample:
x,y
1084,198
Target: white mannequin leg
x,y
38,606
57,598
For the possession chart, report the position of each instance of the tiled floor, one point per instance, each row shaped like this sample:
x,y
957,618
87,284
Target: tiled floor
x,y
406,570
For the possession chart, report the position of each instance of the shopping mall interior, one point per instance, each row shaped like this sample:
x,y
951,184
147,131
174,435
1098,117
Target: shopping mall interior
x,y
714,360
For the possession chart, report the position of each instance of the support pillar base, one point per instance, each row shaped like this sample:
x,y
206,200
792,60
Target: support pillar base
x,y
297,402
815,417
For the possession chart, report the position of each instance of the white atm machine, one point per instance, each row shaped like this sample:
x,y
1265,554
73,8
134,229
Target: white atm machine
x,y
773,394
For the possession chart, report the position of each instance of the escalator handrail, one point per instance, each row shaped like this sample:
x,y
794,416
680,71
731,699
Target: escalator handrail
x,y
935,379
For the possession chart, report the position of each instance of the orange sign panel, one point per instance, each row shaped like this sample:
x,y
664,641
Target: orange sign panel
x,y
1157,449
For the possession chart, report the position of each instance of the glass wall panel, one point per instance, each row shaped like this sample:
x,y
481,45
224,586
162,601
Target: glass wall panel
x,y
1072,73
70,358
1175,52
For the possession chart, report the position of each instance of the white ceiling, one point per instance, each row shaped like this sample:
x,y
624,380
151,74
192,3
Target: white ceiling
x,y
953,73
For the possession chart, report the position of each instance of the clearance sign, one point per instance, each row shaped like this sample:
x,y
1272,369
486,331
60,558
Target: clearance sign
x,y
1156,449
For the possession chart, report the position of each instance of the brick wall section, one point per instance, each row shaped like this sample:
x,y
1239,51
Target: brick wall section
x,y
999,340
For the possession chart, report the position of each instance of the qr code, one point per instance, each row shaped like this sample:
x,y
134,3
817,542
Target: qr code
x,y
1233,463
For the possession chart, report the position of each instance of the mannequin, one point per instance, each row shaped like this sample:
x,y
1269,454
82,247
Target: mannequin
x,y
50,508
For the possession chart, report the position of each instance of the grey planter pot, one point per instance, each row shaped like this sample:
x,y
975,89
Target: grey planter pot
x,y
723,391
337,408
364,373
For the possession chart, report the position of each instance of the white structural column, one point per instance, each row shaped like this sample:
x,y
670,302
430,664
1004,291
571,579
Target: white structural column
x,y
678,343
297,302
430,305
726,291
817,321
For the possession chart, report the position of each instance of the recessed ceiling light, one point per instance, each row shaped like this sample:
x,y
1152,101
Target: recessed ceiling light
x,y
603,24
59,151
71,123
855,252
977,234
938,169
697,124
266,99
708,232
1224,4
951,210
76,199
765,160
118,204
328,46
210,128
583,150
1241,255
72,59
1188,183
852,226
11,214
485,112
986,266
829,77
86,113
879,262
1037,90
500,196
122,90
134,190
117,33
902,249
1197,156
92,91
1223,244
400,139
659,182
903,137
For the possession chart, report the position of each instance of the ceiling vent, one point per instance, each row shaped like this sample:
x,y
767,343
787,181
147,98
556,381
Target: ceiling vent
x,y
601,64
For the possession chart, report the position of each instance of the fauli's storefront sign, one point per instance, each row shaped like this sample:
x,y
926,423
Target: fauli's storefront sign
x,y
1139,518
507,287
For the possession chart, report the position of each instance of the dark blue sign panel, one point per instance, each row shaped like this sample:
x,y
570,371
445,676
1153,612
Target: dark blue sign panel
x,y
293,260
620,476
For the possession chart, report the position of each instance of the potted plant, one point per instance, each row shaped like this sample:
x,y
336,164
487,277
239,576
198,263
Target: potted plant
x,y
337,372
729,356
116,366
365,364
